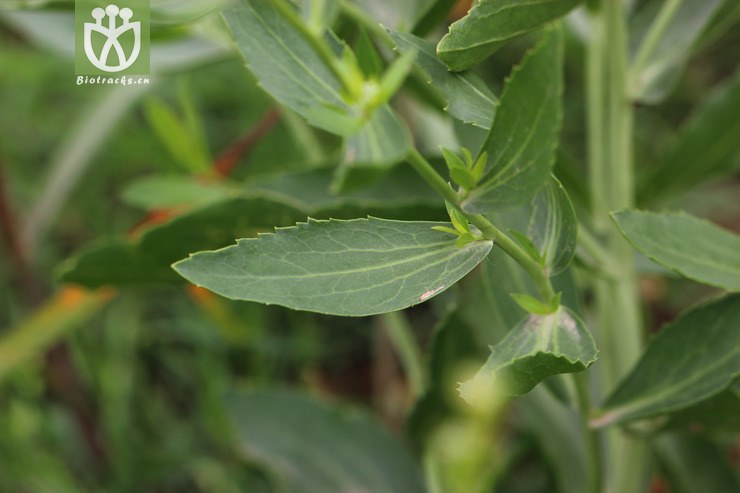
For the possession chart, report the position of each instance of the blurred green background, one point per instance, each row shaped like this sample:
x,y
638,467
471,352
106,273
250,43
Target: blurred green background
x,y
153,386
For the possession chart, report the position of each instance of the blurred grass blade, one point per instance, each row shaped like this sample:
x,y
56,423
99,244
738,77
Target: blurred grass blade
x,y
665,46
183,145
74,157
64,312
706,148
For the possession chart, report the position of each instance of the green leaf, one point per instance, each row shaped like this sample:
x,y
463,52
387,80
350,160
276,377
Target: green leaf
x,y
716,414
666,41
159,192
492,23
122,263
693,358
468,98
397,191
552,225
367,55
486,304
536,306
284,62
114,263
312,447
353,268
522,142
528,245
333,119
539,347
705,148
693,247
459,221
394,76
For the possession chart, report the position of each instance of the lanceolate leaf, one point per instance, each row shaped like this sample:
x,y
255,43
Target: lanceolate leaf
x,y
312,447
354,268
706,148
691,359
283,61
492,23
688,245
468,98
550,223
554,226
522,142
540,346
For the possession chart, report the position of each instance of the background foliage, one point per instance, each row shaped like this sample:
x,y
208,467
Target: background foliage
x,y
117,375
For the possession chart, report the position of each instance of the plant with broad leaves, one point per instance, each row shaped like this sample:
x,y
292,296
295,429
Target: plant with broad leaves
x,y
407,169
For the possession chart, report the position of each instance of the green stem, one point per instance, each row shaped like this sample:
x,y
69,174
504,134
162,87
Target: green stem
x,y
490,232
619,327
593,450
408,351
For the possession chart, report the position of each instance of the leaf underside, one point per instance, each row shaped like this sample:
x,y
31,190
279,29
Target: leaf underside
x,y
352,268
522,142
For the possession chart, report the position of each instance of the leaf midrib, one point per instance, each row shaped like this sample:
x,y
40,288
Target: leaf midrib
x,y
640,403
451,247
